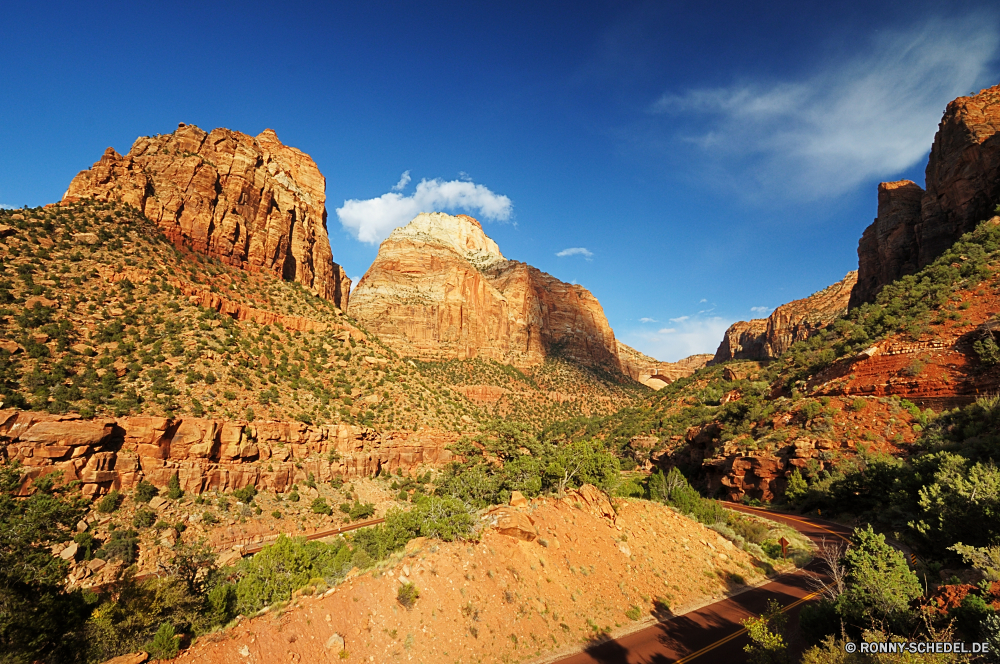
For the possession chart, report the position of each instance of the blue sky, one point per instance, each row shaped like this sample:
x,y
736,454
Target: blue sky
x,y
706,162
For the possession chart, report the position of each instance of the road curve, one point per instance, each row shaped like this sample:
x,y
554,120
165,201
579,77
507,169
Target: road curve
x,y
713,633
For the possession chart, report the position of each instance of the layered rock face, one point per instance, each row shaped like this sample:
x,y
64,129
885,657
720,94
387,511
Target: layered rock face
x,y
765,339
914,226
207,455
251,202
440,289
653,373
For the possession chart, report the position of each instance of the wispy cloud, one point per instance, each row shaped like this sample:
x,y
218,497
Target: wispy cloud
x,y
373,219
679,319
762,310
648,320
4,206
869,116
354,282
690,335
404,180
576,251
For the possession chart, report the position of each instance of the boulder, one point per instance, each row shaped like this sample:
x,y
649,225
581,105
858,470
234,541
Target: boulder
x,y
517,499
335,643
514,524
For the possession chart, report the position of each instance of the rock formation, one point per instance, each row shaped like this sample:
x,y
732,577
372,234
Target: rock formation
x,y
765,339
207,455
653,373
440,289
914,226
249,201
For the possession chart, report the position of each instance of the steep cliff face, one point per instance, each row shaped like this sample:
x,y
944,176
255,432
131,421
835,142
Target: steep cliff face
x,y
765,339
208,455
913,226
653,373
249,201
440,289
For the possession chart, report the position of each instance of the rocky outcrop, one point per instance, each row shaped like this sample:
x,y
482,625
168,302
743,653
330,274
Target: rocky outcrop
x,y
765,339
913,226
440,289
653,373
744,340
208,455
251,202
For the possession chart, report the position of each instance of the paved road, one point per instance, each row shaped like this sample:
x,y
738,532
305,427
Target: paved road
x,y
259,546
713,633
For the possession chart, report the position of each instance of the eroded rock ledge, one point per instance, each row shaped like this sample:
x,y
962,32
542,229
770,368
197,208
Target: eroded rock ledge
x,y
207,454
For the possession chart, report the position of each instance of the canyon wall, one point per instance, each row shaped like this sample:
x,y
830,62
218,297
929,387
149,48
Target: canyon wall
x,y
766,339
440,289
205,454
251,202
914,226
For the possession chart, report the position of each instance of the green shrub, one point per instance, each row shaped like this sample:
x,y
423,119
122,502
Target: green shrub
x,y
859,404
87,543
110,502
174,491
144,518
145,491
122,545
209,519
361,511
634,613
165,645
407,595
246,494
319,506
294,496
988,351
285,566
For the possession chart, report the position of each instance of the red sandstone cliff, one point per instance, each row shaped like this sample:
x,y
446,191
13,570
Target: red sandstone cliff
x,y
249,201
440,289
761,339
914,226
653,373
208,455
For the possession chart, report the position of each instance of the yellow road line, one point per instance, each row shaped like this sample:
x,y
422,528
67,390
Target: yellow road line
x,y
792,518
741,632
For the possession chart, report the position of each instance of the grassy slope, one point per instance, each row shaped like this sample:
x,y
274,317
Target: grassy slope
x,y
98,343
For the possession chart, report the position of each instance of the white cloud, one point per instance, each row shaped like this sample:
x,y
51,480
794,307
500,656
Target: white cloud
x,y
679,319
869,116
404,180
691,336
576,251
702,301
372,220
648,320
354,283
762,310
4,206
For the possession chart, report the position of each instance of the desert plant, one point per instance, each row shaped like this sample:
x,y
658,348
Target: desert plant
x,y
110,502
407,595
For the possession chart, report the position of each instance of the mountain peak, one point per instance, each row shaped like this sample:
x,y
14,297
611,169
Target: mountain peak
x,y
461,233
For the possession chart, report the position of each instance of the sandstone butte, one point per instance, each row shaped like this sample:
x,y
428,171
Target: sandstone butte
x,y
913,226
207,454
653,373
765,339
440,289
251,202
